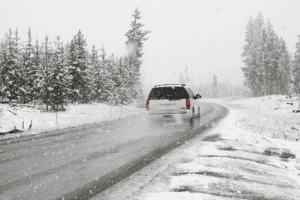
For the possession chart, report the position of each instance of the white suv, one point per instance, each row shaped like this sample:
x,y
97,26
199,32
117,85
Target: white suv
x,y
171,99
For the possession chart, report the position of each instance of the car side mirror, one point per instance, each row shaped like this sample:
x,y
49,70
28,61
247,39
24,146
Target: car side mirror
x,y
198,96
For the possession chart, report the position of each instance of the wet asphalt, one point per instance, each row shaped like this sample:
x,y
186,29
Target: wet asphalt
x,y
80,163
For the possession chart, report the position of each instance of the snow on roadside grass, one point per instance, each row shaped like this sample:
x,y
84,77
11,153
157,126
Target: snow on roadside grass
x,y
75,115
270,116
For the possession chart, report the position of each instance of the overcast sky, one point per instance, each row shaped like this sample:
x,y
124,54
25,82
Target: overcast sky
x,y
205,35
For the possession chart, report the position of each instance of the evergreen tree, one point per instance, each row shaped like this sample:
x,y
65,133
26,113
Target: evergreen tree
x,y
11,74
135,40
267,69
272,48
36,60
127,79
259,26
136,36
44,73
296,70
73,71
121,81
263,64
29,69
104,81
113,74
94,60
56,75
81,85
284,71
250,55
59,79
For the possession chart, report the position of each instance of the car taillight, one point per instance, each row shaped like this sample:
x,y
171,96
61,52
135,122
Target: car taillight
x,y
188,104
147,105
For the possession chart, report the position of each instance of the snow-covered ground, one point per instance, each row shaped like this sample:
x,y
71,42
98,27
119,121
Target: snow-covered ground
x,y
75,115
270,116
251,154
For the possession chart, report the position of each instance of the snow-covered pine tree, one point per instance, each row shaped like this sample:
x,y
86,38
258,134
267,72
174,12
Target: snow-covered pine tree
x,y
73,71
292,67
94,62
60,79
277,56
81,84
262,56
296,70
105,81
44,73
121,81
11,74
100,75
284,69
113,75
134,44
83,59
127,80
29,69
117,81
23,90
259,26
36,60
132,79
250,57
263,69
272,50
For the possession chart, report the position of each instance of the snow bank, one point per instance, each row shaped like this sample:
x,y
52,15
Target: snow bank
x,y
270,116
75,115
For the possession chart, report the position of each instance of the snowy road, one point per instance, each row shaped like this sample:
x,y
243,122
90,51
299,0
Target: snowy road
x,y
83,162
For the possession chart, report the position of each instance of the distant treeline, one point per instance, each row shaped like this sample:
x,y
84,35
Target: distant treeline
x,y
223,89
269,67
57,73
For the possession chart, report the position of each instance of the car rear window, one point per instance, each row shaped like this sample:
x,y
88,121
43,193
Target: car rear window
x,y
168,93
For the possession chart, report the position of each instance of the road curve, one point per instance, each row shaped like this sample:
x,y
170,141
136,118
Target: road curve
x,y
80,163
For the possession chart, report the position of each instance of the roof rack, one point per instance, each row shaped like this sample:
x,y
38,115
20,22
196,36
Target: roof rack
x,y
169,84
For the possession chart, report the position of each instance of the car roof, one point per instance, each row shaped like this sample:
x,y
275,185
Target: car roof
x,y
165,85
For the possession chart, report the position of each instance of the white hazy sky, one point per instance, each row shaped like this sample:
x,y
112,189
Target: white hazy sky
x,y
207,35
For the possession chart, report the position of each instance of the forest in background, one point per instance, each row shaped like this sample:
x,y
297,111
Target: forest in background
x,y
215,88
269,67
56,73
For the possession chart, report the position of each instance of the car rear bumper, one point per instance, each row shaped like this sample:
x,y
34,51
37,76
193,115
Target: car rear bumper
x,y
168,112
